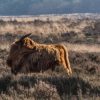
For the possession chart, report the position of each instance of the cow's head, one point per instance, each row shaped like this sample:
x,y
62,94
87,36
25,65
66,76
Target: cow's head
x,y
18,51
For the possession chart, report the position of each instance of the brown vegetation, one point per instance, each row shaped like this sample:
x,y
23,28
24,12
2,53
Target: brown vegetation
x,y
84,55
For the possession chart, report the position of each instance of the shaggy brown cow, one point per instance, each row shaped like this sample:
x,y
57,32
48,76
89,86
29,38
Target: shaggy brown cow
x,y
28,56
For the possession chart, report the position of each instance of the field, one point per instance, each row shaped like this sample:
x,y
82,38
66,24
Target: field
x,y
81,37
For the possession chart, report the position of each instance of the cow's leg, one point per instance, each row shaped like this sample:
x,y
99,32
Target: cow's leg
x,y
65,61
65,66
64,58
68,63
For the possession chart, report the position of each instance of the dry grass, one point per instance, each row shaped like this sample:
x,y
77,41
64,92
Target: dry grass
x,y
85,77
5,46
84,55
83,48
48,25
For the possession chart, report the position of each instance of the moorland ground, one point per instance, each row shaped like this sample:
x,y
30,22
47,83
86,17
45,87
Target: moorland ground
x,y
81,36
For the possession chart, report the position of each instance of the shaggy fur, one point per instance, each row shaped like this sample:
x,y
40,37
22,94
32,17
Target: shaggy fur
x,y
28,56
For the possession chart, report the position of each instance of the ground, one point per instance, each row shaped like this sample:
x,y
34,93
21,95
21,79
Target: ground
x,y
81,37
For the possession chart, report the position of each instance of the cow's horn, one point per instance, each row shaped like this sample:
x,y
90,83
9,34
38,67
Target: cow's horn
x,y
25,36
